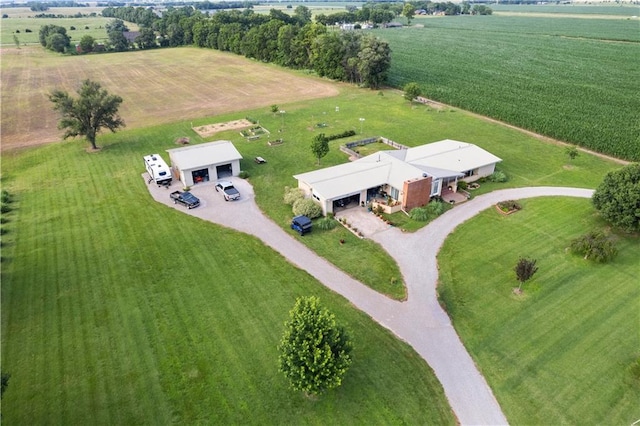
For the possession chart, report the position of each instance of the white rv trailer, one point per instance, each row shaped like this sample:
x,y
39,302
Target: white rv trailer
x,y
158,170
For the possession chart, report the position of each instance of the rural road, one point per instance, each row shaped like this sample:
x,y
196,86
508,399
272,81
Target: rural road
x,y
419,321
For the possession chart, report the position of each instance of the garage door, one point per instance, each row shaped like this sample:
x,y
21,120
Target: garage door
x,y
224,171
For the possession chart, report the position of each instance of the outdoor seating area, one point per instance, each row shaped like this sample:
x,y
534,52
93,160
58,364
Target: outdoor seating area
x,y
451,197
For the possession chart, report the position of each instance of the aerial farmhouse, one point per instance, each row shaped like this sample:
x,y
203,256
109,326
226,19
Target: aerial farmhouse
x,y
407,177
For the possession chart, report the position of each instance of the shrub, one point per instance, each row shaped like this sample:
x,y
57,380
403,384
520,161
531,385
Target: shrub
x,y
419,214
435,209
5,208
498,176
462,185
243,174
5,196
344,134
509,205
595,246
307,207
427,213
291,195
326,223
72,28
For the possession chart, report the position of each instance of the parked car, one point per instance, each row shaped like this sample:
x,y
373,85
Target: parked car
x,y
187,199
301,224
228,190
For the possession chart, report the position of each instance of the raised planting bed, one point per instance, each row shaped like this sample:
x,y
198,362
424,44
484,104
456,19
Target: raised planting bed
x,y
508,207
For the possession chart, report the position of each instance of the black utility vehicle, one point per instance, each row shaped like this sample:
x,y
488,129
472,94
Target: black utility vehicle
x,y
301,224
187,199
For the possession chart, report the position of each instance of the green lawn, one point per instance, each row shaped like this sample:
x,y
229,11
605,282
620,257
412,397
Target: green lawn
x,y
118,310
562,353
19,27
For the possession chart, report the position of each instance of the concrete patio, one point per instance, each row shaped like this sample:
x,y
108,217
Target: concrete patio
x,y
362,219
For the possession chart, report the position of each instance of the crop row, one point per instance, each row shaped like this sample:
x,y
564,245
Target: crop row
x,y
578,90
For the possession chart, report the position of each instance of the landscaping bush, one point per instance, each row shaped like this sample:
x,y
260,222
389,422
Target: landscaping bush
x,y
5,197
326,223
435,209
307,207
344,134
509,205
419,214
498,176
291,195
462,185
5,208
243,174
595,246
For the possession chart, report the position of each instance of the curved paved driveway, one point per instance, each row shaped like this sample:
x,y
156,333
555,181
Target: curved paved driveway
x,y
420,321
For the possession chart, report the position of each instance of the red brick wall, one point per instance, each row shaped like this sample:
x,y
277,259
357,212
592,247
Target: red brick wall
x,y
417,193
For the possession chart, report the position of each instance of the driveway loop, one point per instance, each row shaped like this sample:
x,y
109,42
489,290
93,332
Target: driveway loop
x,y
420,321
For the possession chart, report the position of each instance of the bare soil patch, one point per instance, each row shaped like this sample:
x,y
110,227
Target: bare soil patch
x,y
157,86
211,129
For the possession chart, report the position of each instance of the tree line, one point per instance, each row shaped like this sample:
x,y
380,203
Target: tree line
x,y
292,41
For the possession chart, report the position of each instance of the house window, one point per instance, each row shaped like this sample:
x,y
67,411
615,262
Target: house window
x,y
435,187
469,173
394,193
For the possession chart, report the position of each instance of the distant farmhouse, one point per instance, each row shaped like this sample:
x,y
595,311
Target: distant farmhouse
x,y
409,177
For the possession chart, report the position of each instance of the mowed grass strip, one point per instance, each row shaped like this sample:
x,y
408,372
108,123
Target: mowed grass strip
x,y
118,310
562,352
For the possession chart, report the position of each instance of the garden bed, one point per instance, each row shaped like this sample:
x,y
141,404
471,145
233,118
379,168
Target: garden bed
x,y
508,207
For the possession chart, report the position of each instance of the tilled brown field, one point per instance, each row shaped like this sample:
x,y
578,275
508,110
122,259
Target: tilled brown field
x,y
157,86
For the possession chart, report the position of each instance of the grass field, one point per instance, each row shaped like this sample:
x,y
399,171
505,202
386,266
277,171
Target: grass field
x,y
563,352
117,310
159,86
565,78
123,311
10,27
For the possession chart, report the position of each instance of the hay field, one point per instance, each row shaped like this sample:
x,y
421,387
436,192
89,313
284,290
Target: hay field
x,y
158,86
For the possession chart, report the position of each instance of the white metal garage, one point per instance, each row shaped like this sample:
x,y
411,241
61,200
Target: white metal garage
x,y
205,162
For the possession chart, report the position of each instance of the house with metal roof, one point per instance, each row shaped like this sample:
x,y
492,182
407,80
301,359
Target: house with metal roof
x,y
203,162
407,178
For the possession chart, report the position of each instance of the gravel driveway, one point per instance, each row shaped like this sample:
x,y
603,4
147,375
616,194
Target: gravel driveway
x,y
420,321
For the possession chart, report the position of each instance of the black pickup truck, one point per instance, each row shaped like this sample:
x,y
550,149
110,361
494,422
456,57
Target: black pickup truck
x,y
187,199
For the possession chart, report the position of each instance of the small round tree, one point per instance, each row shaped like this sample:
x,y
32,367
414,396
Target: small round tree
x,y
320,146
412,91
524,269
617,198
314,350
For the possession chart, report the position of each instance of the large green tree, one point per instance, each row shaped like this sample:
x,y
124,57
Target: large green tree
x,y
94,109
617,198
320,146
54,37
314,350
86,43
409,11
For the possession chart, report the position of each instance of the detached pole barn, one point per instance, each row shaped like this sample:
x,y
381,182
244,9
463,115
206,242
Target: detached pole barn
x,y
205,162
